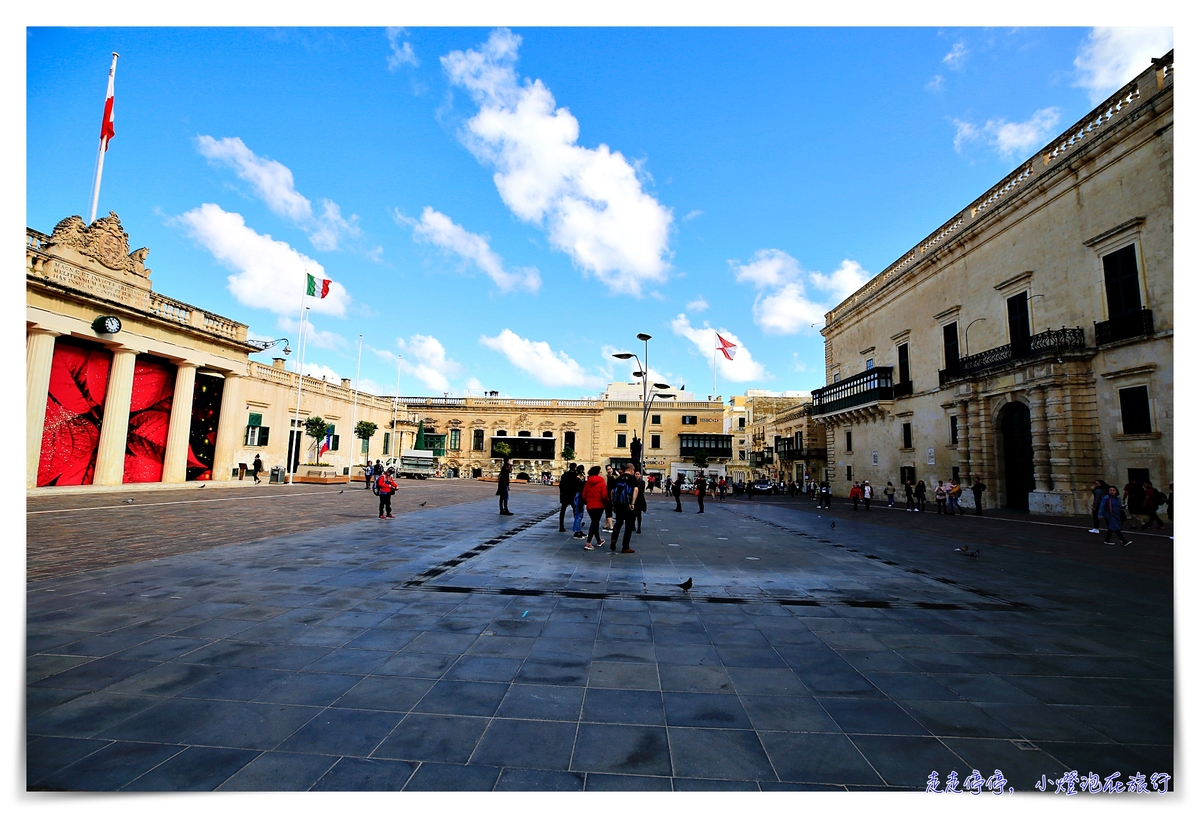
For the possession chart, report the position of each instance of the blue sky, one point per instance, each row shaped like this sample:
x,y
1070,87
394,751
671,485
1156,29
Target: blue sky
x,y
506,208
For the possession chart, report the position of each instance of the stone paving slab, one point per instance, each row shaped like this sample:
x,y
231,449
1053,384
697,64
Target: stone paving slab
x,y
452,649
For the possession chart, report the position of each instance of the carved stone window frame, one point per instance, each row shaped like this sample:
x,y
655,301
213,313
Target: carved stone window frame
x,y
1112,240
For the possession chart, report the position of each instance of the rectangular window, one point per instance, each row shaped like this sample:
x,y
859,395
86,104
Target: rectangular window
x,y
1135,410
741,454
954,430
334,442
950,345
849,442
955,473
689,420
741,423
257,435
1018,323
547,434
870,363
656,420
621,444
902,363
906,429
655,441
849,474
366,442
455,439
1121,283
387,442
569,439
525,434
477,440
255,419
622,418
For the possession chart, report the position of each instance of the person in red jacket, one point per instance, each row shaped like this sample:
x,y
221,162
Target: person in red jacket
x,y
595,499
387,487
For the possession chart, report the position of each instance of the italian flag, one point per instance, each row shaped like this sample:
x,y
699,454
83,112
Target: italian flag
x,y
318,286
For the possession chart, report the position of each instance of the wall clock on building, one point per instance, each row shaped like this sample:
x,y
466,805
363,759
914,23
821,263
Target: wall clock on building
x,y
108,324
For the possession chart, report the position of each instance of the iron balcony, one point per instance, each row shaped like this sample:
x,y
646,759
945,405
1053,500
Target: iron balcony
x,y
1045,344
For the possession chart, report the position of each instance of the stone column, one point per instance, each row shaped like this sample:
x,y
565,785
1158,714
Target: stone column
x,y
1060,456
179,431
114,428
985,463
1041,442
229,430
965,436
975,446
39,356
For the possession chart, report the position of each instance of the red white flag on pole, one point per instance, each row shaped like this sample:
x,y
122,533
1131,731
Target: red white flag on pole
x,y
107,129
318,287
725,347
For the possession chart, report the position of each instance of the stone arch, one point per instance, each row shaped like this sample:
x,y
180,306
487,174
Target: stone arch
x,y
1012,422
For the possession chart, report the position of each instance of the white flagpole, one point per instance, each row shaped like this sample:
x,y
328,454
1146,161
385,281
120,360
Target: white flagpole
x,y
354,422
299,379
112,72
714,392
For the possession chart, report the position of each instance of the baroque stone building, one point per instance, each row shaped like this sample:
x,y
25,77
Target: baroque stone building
x,y
1028,340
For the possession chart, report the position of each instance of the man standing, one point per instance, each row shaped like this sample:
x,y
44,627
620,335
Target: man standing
x,y
978,488
624,502
376,471
1154,499
676,490
610,479
909,503
502,488
826,495
639,504
1099,492
701,487
577,501
257,468
387,487
868,493
567,489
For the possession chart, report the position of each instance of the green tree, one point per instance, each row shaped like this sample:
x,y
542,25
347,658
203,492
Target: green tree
x,y
568,453
700,459
316,427
365,430
501,450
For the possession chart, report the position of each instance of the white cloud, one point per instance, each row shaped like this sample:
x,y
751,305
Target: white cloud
x,y
437,228
424,358
691,215
315,370
402,52
274,184
475,386
313,337
957,55
590,201
935,83
782,306
742,368
267,273
1009,138
699,305
842,282
536,358
371,388
1111,57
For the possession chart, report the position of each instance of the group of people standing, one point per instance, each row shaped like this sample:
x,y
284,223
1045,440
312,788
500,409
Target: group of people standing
x,y
616,497
1139,498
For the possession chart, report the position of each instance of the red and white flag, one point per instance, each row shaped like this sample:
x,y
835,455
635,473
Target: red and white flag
x,y
318,287
726,348
107,128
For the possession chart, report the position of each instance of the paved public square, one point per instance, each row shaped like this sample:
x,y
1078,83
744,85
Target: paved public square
x,y
453,649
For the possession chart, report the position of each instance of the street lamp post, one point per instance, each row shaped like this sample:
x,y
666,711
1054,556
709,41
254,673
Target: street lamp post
x,y
647,396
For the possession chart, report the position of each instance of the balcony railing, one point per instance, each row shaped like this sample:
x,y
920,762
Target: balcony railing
x,y
1122,328
1050,342
903,389
865,387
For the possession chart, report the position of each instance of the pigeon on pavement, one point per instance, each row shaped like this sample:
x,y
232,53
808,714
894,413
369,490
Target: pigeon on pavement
x,y
687,586
423,504
833,524
129,501
341,491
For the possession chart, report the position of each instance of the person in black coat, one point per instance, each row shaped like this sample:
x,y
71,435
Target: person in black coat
x,y
676,490
568,487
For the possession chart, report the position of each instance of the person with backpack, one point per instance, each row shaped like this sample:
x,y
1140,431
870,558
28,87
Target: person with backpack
x,y
624,503
1111,512
676,490
577,503
567,489
594,495
1154,500
386,485
376,470
953,492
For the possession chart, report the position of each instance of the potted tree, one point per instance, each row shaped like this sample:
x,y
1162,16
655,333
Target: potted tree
x,y
316,427
365,430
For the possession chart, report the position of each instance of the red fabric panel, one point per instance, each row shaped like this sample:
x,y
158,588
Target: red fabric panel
x,y
74,409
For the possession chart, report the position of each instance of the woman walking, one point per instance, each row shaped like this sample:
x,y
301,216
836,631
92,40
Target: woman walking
x,y
1110,512
595,499
920,495
909,503
939,497
889,491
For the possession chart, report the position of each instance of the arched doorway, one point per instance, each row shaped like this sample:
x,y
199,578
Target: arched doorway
x,y
1016,446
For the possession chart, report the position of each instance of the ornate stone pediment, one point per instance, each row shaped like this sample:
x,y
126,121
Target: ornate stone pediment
x,y
104,240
